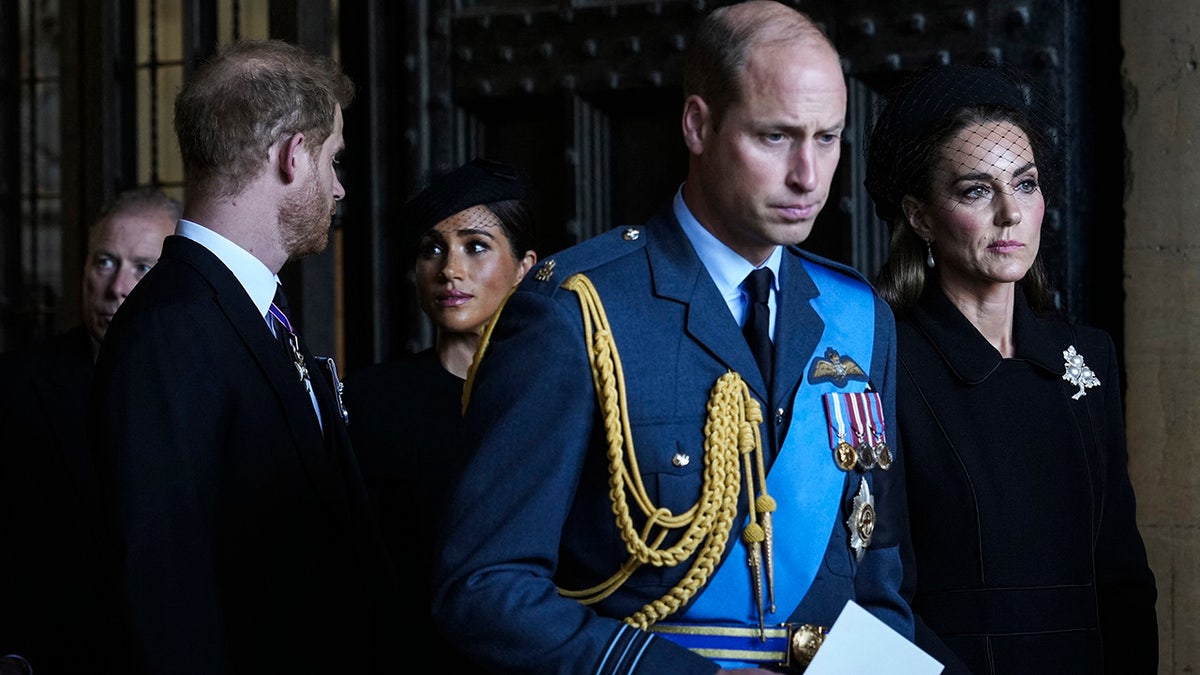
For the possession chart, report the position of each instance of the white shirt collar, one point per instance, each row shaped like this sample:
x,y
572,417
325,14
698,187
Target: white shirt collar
x,y
251,273
727,268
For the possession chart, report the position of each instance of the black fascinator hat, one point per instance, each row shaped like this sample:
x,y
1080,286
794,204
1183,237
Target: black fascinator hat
x,y
479,181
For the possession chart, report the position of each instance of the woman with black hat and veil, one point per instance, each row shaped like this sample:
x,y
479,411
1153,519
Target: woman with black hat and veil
x,y
1026,557
472,242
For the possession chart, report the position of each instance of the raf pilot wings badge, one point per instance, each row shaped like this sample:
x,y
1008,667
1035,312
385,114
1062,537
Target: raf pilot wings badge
x,y
835,368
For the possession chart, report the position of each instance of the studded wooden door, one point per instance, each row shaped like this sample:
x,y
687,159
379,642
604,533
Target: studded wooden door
x,y
585,97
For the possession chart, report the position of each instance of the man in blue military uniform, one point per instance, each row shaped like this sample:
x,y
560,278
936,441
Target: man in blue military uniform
x,y
677,433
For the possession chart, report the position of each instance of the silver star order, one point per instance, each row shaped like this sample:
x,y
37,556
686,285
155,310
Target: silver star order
x,y
862,519
1078,373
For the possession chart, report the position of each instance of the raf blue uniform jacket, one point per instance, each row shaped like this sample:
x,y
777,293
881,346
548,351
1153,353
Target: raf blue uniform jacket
x,y
532,509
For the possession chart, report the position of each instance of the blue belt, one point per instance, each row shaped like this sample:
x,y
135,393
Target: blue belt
x,y
782,645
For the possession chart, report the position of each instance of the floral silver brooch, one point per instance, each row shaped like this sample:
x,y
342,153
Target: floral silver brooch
x,y
1078,373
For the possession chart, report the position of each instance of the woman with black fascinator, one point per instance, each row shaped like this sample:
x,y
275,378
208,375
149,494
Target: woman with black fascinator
x,y
1025,556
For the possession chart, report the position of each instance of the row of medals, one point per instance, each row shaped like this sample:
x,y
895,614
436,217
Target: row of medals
x,y
865,456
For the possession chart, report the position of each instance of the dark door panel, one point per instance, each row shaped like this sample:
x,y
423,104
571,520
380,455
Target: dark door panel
x,y
585,96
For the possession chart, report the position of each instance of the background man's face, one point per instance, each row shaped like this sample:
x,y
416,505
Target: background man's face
x,y
122,249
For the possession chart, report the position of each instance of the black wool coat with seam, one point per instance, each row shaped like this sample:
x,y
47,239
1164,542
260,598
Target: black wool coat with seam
x,y
1026,557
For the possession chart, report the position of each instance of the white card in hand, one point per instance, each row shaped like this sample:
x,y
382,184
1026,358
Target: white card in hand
x,y
860,643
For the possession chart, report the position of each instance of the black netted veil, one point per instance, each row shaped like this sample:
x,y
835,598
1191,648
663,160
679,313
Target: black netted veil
x,y
480,181
914,114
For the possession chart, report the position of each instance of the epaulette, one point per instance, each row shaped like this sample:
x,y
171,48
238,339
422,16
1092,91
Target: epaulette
x,y
550,273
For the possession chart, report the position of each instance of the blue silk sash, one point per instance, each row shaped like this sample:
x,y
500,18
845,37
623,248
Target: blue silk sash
x,y
804,480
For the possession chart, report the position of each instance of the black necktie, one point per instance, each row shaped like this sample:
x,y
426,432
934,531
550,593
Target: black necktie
x,y
757,328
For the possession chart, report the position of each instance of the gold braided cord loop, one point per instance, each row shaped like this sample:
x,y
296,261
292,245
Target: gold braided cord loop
x,y
731,431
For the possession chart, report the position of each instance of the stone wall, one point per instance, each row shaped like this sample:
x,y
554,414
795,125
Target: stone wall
x,y
1162,305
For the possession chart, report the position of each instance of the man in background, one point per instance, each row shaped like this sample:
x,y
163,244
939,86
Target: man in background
x,y
46,480
122,246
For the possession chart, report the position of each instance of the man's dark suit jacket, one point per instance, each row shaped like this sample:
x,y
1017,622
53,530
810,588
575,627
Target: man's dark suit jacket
x,y
47,537
243,542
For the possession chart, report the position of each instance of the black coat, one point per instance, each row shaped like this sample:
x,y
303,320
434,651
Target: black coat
x,y
47,490
406,425
243,539
1027,553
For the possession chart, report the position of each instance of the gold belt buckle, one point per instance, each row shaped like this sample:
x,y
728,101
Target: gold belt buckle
x,y
804,642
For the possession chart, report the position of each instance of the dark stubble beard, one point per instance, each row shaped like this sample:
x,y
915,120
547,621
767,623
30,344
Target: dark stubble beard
x,y
304,221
